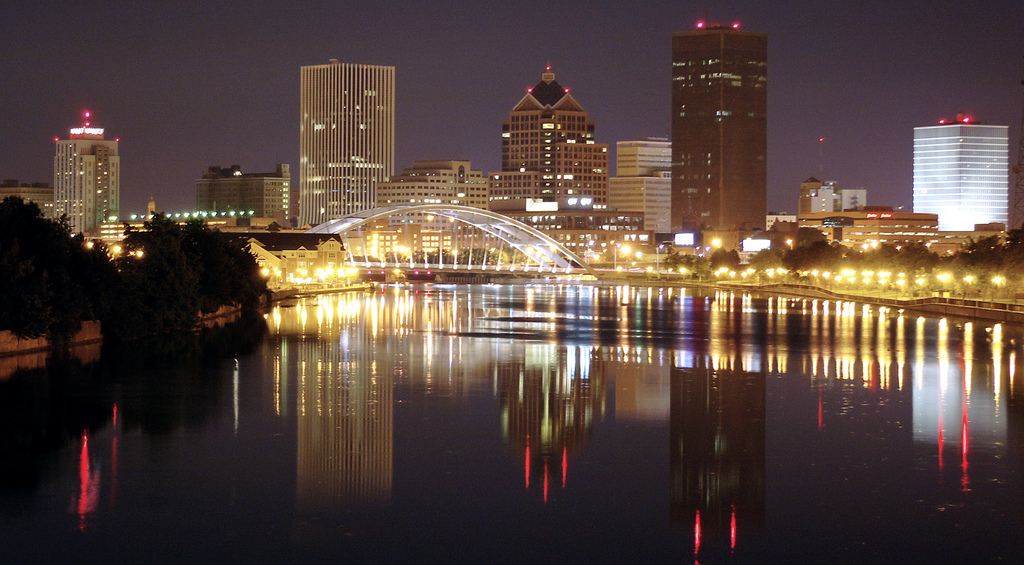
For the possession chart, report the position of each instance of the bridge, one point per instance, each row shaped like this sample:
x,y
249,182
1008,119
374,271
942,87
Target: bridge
x,y
480,242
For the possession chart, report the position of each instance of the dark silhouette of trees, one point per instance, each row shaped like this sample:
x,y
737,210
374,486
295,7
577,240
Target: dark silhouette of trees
x,y
163,277
43,274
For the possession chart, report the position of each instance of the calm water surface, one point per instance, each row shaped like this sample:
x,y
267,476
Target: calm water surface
x,y
527,423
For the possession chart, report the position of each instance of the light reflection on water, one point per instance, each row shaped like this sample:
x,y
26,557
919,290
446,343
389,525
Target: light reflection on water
x,y
712,427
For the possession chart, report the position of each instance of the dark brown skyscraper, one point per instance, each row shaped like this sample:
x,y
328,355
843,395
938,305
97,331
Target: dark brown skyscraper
x,y
719,128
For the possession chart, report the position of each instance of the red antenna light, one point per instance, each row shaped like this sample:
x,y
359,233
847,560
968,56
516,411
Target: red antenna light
x,y
567,90
736,25
529,89
821,139
88,114
56,139
700,25
548,67
942,122
118,139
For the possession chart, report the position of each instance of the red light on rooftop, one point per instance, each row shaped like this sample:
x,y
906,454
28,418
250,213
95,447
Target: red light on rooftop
x,y
118,139
700,25
821,139
736,25
566,90
530,89
88,114
967,120
942,122
56,139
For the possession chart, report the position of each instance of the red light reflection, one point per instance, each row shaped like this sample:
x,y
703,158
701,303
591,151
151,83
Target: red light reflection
x,y
696,534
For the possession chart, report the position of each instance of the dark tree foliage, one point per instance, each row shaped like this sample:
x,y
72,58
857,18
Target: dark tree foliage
x,y
722,258
162,279
171,273
817,255
42,274
767,259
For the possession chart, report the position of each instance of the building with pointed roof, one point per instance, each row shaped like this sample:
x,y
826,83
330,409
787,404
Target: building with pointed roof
x,y
548,149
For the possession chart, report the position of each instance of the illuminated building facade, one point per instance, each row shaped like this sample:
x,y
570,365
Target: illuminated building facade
x,y
347,138
434,182
548,149
825,196
41,193
873,226
960,173
576,224
719,128
643,181
229,189
86,179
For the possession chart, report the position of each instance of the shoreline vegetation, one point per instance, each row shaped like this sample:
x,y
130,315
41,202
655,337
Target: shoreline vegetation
x,y
165,277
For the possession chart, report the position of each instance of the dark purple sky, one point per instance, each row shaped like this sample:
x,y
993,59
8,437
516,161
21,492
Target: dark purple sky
x,y
190,84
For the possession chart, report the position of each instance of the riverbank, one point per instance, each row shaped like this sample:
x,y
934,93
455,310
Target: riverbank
x,y
1005,311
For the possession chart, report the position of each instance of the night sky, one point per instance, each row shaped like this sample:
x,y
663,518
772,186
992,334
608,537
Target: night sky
x,y
186,85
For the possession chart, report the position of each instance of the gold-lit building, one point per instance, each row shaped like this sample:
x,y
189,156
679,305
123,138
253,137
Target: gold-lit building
x,y
548,149
873,226
434,182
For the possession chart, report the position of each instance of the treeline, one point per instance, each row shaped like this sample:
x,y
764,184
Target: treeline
x,y
160,278
986,263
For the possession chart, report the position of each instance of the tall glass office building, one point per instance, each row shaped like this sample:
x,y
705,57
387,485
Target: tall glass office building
x,y
960,173
347,139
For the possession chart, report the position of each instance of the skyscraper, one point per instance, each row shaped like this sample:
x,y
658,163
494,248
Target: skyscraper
x,y
548,149
960,173
86,178
347,138
719,128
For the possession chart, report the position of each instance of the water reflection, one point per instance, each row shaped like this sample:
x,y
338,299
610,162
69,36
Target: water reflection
x,y
712,426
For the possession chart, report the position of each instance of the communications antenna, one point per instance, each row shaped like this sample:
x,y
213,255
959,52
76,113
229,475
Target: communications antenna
x,y
1018,172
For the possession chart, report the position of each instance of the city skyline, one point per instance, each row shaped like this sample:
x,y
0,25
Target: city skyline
x,y
185,90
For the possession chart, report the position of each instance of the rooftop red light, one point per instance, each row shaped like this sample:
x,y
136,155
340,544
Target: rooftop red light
x,y
700,25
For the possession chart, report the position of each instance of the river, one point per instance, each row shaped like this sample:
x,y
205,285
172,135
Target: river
x,y
471,424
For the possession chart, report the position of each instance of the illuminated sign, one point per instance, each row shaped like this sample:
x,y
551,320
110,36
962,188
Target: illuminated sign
x,y
877,215
837,222
683,239
86,131
753,245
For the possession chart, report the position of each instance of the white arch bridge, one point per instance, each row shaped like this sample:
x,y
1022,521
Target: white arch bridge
x,y
473,241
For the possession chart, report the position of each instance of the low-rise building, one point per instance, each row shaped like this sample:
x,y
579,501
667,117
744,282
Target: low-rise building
x,y
874,225
39,192
576,224
433,182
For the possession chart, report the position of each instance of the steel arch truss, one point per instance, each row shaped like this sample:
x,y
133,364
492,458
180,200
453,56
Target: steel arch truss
x,y
531,242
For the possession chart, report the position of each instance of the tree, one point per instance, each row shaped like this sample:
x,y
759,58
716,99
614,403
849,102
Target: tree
x,y
819,255
42,269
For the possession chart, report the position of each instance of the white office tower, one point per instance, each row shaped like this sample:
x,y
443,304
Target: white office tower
x,y
86,179
960,173
643,181
347,138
